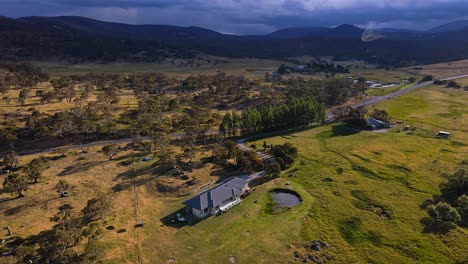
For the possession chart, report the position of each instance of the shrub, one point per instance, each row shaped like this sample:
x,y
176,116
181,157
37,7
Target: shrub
x,y
285,154
443,212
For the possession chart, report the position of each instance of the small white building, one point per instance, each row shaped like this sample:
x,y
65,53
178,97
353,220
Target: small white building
x,y
444,134
217,199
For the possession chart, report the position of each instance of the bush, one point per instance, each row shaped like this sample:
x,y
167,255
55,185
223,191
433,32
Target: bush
x,y
443,212
122,230
285,154
453,84
248,161
427,78
273,169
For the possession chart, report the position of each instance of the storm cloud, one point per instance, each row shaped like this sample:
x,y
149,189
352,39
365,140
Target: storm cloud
x,y
247,16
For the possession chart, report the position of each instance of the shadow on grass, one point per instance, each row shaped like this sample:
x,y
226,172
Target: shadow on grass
x,y
80,167
126,185
171,220
341,131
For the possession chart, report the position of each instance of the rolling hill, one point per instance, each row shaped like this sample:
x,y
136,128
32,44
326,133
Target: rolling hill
x,y
82,39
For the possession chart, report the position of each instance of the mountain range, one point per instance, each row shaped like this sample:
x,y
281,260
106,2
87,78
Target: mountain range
x,y
79,39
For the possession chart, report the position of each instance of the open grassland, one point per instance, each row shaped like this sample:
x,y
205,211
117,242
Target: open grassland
x,y
442,70
246,232
249,67
368,187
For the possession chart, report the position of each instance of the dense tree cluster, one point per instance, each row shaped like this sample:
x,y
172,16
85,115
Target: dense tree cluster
x,y
333,91
74,238
312,68
452,205
297,112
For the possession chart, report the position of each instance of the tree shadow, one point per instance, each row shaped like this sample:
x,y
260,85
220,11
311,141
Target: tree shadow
x,y
126,185
341,131
435,227
17,209
79,168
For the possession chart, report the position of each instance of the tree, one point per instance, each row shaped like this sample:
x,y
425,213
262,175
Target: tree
x,y
16,183
7,137
427,78
381,115
411,80
282,69
248,161
23,95
7,100
285,154
110,151
94,250
356,116
235,123
96,207
223,129
273,169
11,160
188,145
453,84
456,184
62,187
34,169
462,202
267,77
443,212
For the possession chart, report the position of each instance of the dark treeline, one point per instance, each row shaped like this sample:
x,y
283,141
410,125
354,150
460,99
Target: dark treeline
x,y
333,91
297,112
312,68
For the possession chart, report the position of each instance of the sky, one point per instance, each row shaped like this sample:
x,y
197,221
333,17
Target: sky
x,y
251,16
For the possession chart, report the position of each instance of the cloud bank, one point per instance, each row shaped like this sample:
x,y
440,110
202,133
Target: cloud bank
x,y
247,16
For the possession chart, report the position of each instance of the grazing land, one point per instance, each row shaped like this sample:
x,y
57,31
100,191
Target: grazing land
x,y
441,70
252,68
354,176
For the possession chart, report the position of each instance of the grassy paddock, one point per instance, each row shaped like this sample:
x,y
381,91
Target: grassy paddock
x,y
368,187
249,67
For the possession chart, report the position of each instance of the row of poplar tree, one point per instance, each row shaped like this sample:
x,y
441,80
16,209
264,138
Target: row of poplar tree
x,y
296,112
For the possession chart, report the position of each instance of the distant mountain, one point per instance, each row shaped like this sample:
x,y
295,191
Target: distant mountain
x,y
304,32
394,30
451,27
78,39
299,32
119,30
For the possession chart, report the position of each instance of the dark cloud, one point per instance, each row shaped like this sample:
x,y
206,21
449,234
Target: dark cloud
x,y
249,16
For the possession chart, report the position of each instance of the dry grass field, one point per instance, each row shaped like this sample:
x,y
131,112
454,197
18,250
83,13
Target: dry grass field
x,y
249,67
442,70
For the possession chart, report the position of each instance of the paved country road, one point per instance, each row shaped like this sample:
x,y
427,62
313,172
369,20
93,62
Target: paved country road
x,y
240,142
379,99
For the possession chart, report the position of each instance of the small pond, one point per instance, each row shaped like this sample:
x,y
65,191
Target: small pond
x,y
285,198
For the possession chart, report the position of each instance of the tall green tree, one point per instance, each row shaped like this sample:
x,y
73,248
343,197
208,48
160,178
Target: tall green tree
x,y
34,169
16,183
